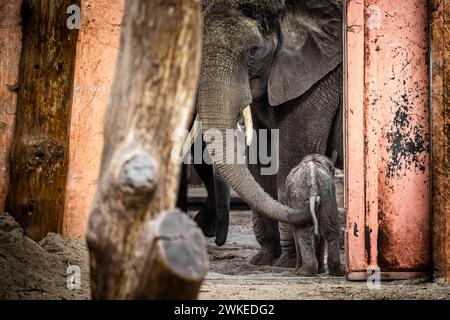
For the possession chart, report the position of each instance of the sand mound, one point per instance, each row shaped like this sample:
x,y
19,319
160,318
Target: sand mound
x,y
31,270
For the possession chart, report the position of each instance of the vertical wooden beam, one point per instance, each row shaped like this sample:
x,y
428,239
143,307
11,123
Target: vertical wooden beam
x,y
97,49
39,153
440,91
10,48
140,247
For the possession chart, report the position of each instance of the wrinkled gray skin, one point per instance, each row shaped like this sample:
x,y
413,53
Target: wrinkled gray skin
x,y
284,58
313,181
213,217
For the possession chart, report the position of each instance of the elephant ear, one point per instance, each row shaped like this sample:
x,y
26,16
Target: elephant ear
x,y
310,47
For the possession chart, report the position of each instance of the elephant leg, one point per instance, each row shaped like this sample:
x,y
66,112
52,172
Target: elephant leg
x,y
320,241
222,202
268,237
288,256
335,267
206,217
305,240
334,260
332,233
265,229
182,191
320,252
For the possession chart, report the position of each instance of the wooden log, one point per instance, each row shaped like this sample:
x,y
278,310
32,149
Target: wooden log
x,y
140,247
11,45
177,260
38,167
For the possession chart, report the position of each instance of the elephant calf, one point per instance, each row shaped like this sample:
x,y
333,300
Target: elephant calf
x,y
313,181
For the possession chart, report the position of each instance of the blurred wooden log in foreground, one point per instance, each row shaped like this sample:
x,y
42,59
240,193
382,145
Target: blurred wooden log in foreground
x,y
141,248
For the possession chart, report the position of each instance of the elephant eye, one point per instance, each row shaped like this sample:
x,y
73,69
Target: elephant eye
x,y
254,51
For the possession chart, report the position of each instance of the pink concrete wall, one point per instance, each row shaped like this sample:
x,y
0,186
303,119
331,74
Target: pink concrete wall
x,y
10,48
97,48
387,137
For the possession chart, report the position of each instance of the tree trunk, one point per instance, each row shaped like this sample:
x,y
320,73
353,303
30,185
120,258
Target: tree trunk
x,y
38,168
440,108
140,247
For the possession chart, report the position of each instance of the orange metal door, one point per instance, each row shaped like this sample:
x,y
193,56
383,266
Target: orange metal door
x,y
387,138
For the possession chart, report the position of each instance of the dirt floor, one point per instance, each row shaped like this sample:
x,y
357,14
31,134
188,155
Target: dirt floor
x,y
31,270
231,277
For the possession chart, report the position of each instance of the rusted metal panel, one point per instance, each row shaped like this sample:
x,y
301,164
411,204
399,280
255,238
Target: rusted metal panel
x,y
97,50
395,132
10,48
440,53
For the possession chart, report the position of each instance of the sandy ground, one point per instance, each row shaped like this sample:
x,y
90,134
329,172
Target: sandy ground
x,y
31,270
231,277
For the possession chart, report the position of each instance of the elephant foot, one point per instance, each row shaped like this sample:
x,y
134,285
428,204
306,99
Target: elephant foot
x,y
337,270
265,256
286,261
307,271
321,269
206,220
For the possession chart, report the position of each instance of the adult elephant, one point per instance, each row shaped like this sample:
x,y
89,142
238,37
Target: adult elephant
x,y
284,59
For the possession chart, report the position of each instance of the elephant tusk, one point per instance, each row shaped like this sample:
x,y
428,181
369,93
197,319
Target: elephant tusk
x,y
191,137
312,205
247,115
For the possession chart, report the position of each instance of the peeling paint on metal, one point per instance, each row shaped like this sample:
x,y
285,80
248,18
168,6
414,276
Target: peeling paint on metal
x,y
392,203
355,230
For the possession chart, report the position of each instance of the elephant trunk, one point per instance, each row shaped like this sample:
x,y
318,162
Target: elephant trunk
x,y
217,112
222,202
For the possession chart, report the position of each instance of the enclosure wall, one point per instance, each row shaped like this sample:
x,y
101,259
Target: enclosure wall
x,y
387,116
97,48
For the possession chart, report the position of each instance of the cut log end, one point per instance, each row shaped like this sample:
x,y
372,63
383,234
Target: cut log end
x,y
183,245
179,260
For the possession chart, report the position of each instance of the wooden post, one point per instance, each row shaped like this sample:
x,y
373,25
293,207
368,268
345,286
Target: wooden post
x,y
10,47
440,91
139,246
38,167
